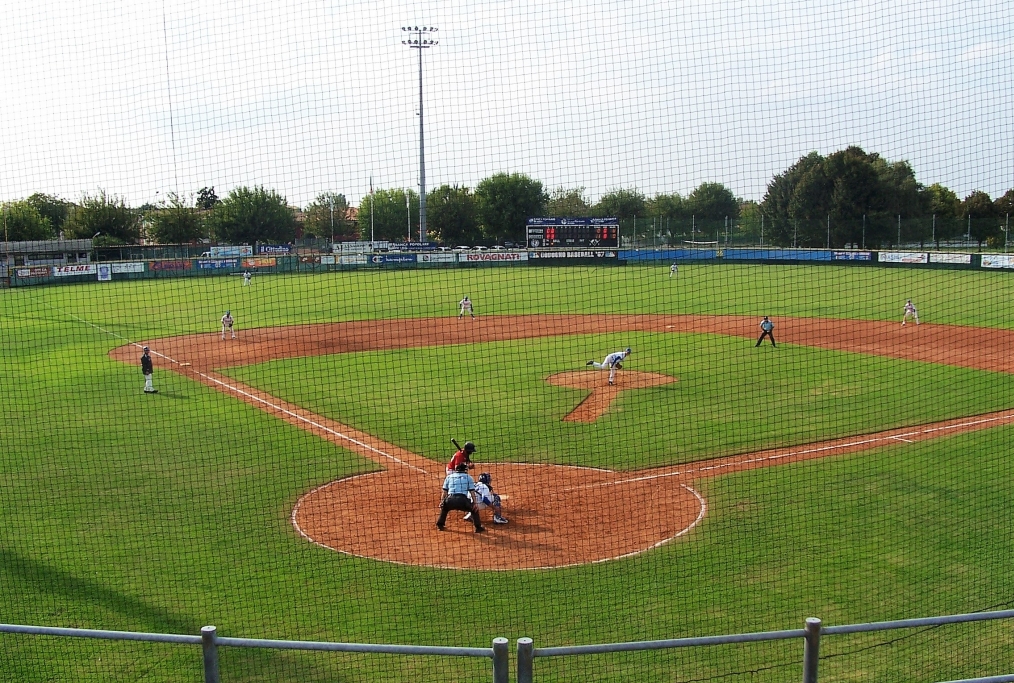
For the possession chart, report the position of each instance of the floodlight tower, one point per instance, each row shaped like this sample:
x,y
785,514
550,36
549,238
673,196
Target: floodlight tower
x,y
421,41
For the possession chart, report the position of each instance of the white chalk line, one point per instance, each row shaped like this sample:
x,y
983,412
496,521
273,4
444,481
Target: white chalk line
x,y
1004,417
312,423
109,332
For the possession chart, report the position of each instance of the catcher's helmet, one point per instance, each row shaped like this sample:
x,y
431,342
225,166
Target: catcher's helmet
x,y
485,478
469,447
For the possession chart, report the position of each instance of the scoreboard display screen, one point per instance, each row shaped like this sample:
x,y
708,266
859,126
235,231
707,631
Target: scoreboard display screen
x,y
568,233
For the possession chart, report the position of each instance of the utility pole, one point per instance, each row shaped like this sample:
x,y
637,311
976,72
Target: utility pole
x,y
420,42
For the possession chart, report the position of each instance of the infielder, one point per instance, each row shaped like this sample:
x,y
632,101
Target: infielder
x,y
613,361
246,278
673,269
485,498
767,329
227,323
910,312
458,490
146,370
465,306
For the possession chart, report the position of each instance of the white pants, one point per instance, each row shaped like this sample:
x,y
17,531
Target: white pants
x,y
147,383
603,366
224,327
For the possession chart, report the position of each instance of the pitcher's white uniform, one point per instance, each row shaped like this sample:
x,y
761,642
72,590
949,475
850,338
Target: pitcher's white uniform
x,y
612,361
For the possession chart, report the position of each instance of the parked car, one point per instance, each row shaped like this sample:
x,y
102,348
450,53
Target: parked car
x,y
479,248
444,249
462,248
497,247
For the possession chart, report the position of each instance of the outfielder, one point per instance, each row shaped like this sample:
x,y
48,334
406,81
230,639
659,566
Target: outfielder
x,y
458,490
613,361
465,306
485,498
227,323
673,269
910,312
246,278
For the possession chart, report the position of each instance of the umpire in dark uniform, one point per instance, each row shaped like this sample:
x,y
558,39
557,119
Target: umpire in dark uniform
x,y
459,488
767,329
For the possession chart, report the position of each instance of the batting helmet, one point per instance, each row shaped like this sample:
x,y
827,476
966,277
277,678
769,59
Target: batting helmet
x,y
485,478
469,447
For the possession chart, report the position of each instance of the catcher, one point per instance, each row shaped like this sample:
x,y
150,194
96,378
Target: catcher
x,y
485,498
613,361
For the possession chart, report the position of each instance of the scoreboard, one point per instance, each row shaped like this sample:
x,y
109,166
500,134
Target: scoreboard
x,y
567,233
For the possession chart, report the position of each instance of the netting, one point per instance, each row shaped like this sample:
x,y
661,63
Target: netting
x,y
238,190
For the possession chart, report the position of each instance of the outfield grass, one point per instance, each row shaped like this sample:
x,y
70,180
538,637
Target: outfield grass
x,y
165,513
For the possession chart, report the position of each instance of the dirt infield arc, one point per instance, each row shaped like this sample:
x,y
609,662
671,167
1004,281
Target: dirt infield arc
x,y
355,515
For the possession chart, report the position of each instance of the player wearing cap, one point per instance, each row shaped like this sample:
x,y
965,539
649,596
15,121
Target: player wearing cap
x,y
485,498
910,312
465,306
146,370
614,361
227,322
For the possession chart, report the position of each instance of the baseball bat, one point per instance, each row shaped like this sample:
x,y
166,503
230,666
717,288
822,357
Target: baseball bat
x,y
455,442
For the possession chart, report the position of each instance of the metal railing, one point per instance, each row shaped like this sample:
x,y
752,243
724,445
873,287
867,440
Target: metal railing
x,y
527,653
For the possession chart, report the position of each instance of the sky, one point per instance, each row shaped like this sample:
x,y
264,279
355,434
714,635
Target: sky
x,y
140,99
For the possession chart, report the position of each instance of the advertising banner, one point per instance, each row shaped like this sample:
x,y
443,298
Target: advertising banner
x,y
231,252
175,264
327,260
393,258
215,264
543,255
852,256
260,262
79,269
902,257
998,260
363,247
105,272
352,260
951,258
438,257
34,271
128,267
494,257
274,249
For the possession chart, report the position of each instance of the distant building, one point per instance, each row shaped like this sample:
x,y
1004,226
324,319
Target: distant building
x,y
46,252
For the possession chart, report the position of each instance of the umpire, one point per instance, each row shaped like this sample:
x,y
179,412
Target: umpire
x,y
457,495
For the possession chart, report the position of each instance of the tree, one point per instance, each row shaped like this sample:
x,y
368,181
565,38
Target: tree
x,y
451,212
505,202
176,223
22,222
568,203
713,201
331,216
980,214
945,208
104,215
1004,208
382,215
253,215
207,199
52,208
621,203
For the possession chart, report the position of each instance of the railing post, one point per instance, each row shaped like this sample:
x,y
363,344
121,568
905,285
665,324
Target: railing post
x,y
811,650
210,648
526,656
501,661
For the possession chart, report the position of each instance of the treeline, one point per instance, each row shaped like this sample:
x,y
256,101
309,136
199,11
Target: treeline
x,y
848,198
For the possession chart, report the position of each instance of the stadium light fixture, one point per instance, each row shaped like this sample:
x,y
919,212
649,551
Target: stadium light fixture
x,y
421,42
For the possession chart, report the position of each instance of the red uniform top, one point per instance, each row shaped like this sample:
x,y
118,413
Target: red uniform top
x,y
459,457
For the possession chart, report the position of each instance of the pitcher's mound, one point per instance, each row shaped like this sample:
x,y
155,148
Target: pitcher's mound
x,y
602,393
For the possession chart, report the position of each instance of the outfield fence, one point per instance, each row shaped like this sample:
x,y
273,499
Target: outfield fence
x,y
526,652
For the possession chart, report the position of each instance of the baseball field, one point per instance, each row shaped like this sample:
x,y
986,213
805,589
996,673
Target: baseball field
x,y
284,484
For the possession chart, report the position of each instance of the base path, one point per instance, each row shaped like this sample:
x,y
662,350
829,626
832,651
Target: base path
x,y
559,516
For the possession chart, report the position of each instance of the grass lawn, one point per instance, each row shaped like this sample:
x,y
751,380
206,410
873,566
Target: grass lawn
x,y
169,512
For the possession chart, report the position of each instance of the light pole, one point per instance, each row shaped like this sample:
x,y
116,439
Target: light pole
x,y
420,42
